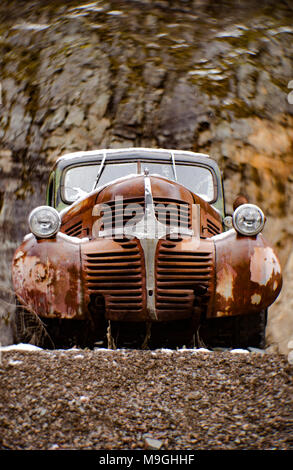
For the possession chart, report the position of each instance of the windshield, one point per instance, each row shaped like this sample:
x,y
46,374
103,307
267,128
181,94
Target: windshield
x,y
80,180
196,178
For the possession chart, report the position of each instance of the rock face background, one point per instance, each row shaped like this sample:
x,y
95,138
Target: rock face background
x,y
176,74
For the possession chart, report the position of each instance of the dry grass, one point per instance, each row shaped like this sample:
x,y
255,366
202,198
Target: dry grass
x,y
26,326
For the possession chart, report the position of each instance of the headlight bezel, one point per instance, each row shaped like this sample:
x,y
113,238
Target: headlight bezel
x,y
38,233
240,229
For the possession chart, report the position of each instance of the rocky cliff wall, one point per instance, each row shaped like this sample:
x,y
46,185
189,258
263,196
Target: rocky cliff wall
x,y
177,74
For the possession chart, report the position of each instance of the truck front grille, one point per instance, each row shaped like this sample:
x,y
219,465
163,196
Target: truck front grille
x,y
117,275
115,270
184,279
168,211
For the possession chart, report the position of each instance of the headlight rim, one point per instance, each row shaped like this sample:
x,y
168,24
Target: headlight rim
x,y
238,229
56,229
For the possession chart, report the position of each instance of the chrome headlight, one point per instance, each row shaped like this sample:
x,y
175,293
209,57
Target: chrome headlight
x,y
44,221
248,219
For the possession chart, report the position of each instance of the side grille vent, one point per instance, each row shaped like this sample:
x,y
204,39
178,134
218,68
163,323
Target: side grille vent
x,y
212,228
75,230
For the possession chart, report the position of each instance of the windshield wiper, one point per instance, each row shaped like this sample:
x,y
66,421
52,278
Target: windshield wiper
x,y
100,170
173,164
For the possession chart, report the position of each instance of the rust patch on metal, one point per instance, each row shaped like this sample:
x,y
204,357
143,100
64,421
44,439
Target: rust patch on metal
x,y
248,275
46,277
255,299
263,265
225,284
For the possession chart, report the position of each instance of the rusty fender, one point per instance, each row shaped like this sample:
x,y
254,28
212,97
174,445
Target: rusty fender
x,y
248,274
46,276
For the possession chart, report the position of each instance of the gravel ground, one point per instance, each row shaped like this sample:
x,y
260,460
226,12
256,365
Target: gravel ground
x,y
132,399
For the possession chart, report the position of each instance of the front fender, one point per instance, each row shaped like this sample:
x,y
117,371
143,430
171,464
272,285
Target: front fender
x,y
248,274
46,276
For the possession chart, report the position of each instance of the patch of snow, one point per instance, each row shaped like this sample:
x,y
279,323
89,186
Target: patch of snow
x,y
164,350
70,349
232,33
290,358
239,351
281,29
222,236
201,350
70,239
256,350
104,349
152,443
84,399
31,26
115,13
205,72
14,363
20,347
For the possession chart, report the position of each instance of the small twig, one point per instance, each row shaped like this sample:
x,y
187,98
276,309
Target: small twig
x,y
147,335
111,341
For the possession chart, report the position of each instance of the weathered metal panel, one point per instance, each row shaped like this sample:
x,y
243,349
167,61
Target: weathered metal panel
x,y
248,274
46,277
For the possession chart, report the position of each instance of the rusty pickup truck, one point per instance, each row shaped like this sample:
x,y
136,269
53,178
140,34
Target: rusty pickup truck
x,y
134,249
